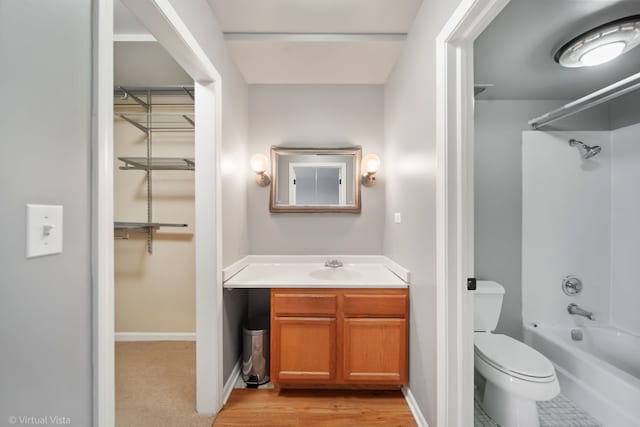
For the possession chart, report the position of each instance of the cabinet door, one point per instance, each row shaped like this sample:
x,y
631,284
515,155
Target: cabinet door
x,y
304,349
375,351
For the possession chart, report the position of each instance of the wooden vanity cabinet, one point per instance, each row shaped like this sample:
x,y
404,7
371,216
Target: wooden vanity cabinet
x,y
304,329
375,337
339,337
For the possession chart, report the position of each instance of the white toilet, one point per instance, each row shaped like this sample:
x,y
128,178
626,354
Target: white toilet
x,y
516,375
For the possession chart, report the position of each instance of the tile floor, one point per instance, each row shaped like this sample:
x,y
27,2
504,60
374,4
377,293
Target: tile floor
x,y
558,412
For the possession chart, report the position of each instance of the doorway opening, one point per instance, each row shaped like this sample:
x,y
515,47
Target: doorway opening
x,y
154,230
166,26
553,146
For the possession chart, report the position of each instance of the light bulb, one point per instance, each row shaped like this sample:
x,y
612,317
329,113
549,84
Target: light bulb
x,y
602,54
259,163
371,163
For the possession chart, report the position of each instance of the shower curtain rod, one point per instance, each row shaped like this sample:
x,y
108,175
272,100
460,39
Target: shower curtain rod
x,y
598,97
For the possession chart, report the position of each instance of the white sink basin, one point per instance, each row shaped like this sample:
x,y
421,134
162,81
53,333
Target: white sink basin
x,y
339,274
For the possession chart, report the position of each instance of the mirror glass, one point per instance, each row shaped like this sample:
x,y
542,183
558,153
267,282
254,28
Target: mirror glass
x,y
315,180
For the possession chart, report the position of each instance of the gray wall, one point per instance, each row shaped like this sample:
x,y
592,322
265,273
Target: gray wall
x,y
45,123
316,116
410,134
498,192
625,111
259,302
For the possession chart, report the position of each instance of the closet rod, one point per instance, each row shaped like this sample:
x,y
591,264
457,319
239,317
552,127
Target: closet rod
x,y
598,97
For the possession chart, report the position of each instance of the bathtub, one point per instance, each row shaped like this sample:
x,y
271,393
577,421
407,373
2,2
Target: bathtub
x,y
601,373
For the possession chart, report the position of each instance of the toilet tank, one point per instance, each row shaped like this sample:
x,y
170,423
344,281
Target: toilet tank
x,y
487,304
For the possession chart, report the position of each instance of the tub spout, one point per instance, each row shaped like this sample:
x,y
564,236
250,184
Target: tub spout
x,y
576,310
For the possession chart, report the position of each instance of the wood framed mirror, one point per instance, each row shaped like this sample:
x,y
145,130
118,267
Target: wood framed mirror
x,y
315,180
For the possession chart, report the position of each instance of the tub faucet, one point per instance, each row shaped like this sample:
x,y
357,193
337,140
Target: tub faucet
x,y
575,309
333,263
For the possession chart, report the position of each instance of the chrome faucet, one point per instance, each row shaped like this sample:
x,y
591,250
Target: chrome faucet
x,y
575,309
333,263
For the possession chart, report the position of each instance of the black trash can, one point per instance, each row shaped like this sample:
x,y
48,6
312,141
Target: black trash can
x,y
255,351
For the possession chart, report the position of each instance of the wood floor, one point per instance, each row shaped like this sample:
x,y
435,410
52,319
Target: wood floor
x,y
309,408
155,387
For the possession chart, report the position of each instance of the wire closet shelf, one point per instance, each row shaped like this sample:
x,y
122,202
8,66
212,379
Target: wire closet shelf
x,y
151,110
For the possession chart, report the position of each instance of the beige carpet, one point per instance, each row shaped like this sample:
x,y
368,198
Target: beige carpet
x,y
155,385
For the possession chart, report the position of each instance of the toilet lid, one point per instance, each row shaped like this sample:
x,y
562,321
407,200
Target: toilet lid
x,y
512,356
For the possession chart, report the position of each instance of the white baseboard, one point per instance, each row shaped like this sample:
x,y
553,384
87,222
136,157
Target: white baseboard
x,y
231,382
155,336
413,406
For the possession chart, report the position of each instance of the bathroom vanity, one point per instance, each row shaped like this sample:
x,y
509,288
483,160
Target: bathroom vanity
x,y
344,327
339,337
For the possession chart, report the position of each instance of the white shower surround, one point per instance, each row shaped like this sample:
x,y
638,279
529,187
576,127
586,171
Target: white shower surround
x,y
566,217
581,217
625,229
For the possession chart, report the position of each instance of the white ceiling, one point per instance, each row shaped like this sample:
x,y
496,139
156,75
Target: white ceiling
x,y
319,62
124,22
315,62
315,16
297,16
516,51
307,62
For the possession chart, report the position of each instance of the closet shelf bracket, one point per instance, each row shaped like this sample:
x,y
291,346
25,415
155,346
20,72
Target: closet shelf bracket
x,y
138,125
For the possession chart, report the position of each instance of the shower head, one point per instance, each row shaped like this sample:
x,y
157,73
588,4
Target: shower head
x,y
587,151
591,151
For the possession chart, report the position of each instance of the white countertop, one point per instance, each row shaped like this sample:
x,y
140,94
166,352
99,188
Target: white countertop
x,y
314,275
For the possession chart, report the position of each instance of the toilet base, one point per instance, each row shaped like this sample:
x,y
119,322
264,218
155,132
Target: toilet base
x,y
509,410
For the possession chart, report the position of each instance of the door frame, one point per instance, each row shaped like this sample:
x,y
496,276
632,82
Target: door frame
x,y
166,25
454,207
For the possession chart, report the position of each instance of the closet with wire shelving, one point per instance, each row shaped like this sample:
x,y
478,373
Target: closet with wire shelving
x,y
166,110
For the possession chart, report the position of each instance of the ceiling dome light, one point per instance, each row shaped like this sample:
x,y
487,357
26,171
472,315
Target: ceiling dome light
x,y
601,44
603,53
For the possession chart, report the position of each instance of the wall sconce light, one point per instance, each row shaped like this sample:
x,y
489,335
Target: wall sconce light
x,y
370,165
260,164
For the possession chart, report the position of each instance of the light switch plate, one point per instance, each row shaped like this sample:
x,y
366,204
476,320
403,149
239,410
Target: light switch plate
x,y
44,230
397,218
